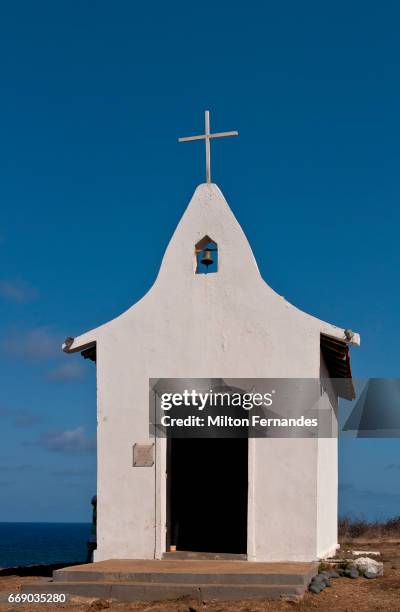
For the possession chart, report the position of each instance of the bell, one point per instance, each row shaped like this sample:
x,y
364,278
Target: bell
x,y
207,259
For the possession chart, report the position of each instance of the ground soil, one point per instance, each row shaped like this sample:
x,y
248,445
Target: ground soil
x,y
345,595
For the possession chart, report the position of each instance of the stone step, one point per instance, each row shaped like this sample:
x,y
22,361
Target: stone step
x,y
175,577
203,556
144,591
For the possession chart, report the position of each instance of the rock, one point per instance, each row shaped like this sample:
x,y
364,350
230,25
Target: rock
x,y
321,580
315,588
366,564
370,575
331,574
334,574
351,573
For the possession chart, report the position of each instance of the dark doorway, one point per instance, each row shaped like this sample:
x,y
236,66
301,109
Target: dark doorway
x,y
207,490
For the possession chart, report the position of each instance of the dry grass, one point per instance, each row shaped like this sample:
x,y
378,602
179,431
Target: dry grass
x,y
350,529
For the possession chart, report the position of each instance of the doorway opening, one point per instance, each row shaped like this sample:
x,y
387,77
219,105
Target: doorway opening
x,y
207,484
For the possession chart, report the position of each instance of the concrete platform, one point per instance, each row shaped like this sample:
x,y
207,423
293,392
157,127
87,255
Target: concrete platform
x,y
136,580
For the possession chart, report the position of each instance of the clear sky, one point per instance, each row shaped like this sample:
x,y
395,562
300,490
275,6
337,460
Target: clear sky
x,y
93,96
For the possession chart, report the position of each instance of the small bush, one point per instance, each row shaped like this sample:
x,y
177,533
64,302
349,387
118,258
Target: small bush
x,y
360,528
344,565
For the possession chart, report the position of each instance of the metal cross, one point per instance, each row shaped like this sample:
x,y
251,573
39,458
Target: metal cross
x,y
207,137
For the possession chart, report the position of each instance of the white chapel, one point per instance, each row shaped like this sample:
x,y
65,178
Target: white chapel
x,y
210,314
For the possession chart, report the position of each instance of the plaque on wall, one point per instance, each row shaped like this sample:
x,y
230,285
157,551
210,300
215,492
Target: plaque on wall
x,y
143,455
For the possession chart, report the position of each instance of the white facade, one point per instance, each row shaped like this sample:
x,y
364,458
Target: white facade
x,y
229,324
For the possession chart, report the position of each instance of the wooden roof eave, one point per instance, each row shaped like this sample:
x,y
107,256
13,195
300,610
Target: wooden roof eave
x,y
336,353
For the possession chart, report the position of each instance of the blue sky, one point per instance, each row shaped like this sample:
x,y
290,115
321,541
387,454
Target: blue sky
x,y
93,96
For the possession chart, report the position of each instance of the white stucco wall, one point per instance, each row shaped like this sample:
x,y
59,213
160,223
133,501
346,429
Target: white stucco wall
x,y
232,325
327,480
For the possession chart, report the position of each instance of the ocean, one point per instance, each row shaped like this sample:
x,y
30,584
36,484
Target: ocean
x,y
32,543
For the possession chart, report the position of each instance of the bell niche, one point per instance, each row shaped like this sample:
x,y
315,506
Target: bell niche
x,y
206,253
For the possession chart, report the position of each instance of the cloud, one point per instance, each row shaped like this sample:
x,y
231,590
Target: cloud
x,y
17,291
73,440
36,344
66,372
20,418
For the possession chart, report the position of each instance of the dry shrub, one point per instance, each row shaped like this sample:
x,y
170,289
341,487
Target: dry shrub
x,y
360,528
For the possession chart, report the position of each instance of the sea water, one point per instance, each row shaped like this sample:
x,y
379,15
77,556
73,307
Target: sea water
x,y
35,543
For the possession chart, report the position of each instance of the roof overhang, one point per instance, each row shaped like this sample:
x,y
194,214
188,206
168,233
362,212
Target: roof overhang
x,y
336,355
87,349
